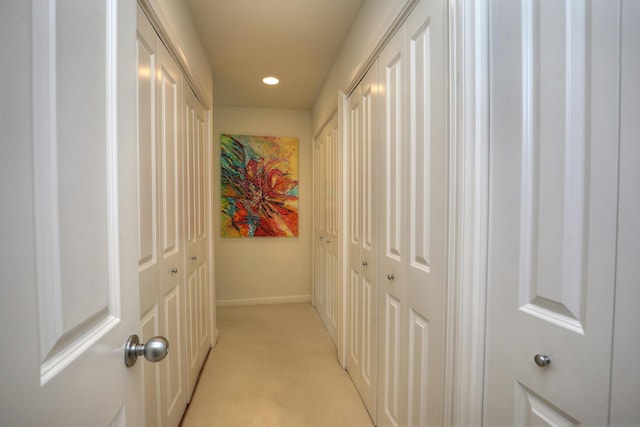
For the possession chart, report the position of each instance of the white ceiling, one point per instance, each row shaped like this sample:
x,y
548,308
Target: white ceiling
x,y
294,40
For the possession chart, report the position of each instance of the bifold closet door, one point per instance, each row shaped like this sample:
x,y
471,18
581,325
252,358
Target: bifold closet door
x,y
362,292
198,291
392,390
553,211
327,176
160,238
319,287
413,220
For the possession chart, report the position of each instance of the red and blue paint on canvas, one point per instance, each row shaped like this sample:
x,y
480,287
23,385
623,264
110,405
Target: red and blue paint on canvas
x,y
259,186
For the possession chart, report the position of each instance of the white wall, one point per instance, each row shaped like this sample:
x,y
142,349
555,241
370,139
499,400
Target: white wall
x,y
373,21
264,269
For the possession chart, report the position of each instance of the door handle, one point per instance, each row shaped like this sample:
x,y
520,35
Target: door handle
x,y
542,360
153,350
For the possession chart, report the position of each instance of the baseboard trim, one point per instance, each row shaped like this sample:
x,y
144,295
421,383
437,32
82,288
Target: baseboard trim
x,y
261,301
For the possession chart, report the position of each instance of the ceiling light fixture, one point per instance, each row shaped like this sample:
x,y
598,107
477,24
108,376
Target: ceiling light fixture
x,y
270,81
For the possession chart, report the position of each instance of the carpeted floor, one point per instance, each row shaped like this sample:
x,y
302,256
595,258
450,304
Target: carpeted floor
x,y
274,365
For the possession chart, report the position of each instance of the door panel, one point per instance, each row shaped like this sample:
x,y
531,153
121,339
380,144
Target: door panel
x,y
391,385
332,235
149,262
326,229
553,203
69,298
151,328
426,270
197,256
318,223
363,239
532,410
172,287
393,233
172,380
160,236
553,184
418,368
148,223
413,208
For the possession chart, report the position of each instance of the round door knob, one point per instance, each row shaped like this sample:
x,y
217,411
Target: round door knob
x,y
153,350
365,263
174,270
542,360
391,276
194,258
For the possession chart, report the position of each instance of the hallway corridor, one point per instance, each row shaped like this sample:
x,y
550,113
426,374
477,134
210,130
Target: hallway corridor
x,y
274,365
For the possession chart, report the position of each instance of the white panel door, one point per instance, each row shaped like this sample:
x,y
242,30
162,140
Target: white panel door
x,y
149,262
554,115
161,236
327,196
69,298
362,292
197,243
393,233
427,188
319,225
413,154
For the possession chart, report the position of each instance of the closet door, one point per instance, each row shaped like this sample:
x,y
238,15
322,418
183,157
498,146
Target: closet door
x,y
173,384
319,250
196,261
413,221
148,223
362,293
393,234
319,288
160,239
427,201
327,235
554,120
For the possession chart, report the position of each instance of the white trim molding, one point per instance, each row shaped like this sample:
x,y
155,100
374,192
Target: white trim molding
x,y
265,300
343,250
469,195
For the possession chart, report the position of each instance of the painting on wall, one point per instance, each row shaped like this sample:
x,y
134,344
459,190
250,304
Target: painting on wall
x,y
259,186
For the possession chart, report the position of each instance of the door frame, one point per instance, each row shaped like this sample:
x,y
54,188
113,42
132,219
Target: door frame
x,y
468,210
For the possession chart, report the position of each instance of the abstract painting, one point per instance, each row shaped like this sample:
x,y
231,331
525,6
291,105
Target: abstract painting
x,y
259,186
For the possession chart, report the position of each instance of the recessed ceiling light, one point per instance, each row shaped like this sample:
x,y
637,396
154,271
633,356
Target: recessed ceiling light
x,y
270,81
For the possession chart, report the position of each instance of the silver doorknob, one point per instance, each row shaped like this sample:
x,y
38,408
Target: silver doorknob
x,y
542,360
174,270
391,276
365,263
153,350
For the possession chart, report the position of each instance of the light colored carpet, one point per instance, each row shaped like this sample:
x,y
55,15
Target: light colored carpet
x,y
274,365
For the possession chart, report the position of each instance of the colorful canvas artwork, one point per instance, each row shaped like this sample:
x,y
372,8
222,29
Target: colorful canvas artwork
x,y
259,186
